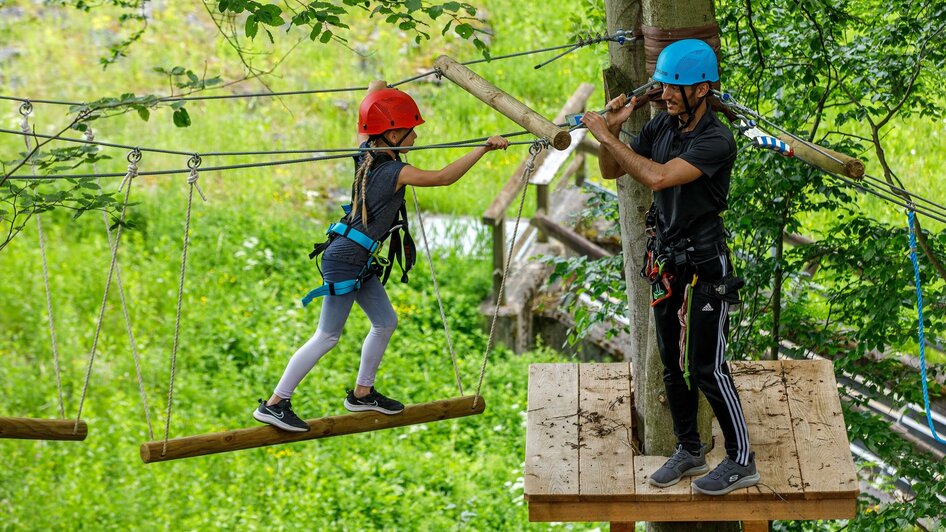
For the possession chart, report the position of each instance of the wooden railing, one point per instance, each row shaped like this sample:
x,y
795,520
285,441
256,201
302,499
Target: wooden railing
x,y
548,165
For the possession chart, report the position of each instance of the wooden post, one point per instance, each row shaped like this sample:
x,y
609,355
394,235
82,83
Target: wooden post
x,y
542,207
236,440
755,526
499,260
827,160
42,429
496,98
623,527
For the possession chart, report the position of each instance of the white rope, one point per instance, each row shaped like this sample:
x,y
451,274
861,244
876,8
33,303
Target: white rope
x,y
27,130
534,150
131,174
90,136
433,275
192,181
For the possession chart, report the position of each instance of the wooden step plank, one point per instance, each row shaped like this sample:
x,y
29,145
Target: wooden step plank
x,y
24,428
606,454
261,436
824,454
761,387
716,509
551,468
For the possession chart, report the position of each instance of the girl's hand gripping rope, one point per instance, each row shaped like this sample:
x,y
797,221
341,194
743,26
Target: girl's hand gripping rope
x,y
496,142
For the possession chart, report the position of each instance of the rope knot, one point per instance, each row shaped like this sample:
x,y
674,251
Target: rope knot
x,y
90,135
133,157
192,178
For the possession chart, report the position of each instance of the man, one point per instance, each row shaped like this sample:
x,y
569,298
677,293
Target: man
x,y
686,157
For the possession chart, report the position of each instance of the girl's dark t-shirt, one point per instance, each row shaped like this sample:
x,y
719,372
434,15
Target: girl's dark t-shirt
x,y
383,200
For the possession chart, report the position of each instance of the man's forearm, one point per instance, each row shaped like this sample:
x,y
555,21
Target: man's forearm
x,y
617,158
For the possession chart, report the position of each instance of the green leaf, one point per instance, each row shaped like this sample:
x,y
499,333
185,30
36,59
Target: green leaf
x,y
435,11
464,30
251,27
223,5
412,5
452,7
144,113
181,118
177,71
326,37
316,30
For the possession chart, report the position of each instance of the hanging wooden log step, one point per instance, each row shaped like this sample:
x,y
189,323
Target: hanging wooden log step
x,y
262,436
24,428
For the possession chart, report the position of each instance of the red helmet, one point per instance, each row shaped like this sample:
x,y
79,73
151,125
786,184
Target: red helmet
x,y
387,109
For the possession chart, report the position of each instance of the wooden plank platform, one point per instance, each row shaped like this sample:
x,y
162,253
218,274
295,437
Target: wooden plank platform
x,y
581,466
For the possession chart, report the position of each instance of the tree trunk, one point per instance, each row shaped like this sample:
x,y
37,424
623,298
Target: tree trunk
x,y
657,435
626,72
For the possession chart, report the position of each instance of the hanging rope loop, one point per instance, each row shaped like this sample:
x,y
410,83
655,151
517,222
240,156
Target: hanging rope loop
x,y
193,163
134,156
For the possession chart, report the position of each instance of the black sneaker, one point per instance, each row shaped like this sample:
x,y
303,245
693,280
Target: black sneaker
x,y
681,464
373,401
728,476
281,416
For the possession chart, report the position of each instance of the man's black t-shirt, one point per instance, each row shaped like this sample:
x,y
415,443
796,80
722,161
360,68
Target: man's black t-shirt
x,y
683,210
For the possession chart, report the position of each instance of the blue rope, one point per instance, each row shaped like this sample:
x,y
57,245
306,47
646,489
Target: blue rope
x,y
911,216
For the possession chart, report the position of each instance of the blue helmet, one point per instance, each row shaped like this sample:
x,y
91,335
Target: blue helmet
x,y
687,62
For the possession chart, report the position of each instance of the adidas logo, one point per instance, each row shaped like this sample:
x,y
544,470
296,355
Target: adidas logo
x,y
707,308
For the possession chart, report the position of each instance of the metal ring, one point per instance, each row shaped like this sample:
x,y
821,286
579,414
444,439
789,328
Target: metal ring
x,y
134,155
535,148
194,161
26,108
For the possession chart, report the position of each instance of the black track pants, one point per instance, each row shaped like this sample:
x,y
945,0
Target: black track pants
x,y
708,325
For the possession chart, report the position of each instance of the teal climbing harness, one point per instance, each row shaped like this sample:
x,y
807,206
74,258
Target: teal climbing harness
x,y
400,250
911,218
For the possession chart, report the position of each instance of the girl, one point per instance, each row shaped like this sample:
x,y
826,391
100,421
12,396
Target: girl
x,y
386,119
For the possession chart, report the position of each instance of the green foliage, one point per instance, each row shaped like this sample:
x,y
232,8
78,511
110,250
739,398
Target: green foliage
x,y
324,20
602,280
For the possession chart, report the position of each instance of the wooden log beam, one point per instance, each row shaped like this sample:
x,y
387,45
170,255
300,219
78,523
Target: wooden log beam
x,y
498,99
827,160
570,238
237,440
496,212
42,429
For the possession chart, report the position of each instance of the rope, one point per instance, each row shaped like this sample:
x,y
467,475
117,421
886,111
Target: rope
x,y
89,135
911,218
433,275
193,163
536,148
25,111
132,173
468,143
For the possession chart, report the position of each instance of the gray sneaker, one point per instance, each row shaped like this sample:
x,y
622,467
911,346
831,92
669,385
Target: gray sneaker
x,y
681,464
728,476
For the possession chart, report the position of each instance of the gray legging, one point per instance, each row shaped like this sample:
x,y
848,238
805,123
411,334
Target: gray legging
x,y
373,299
